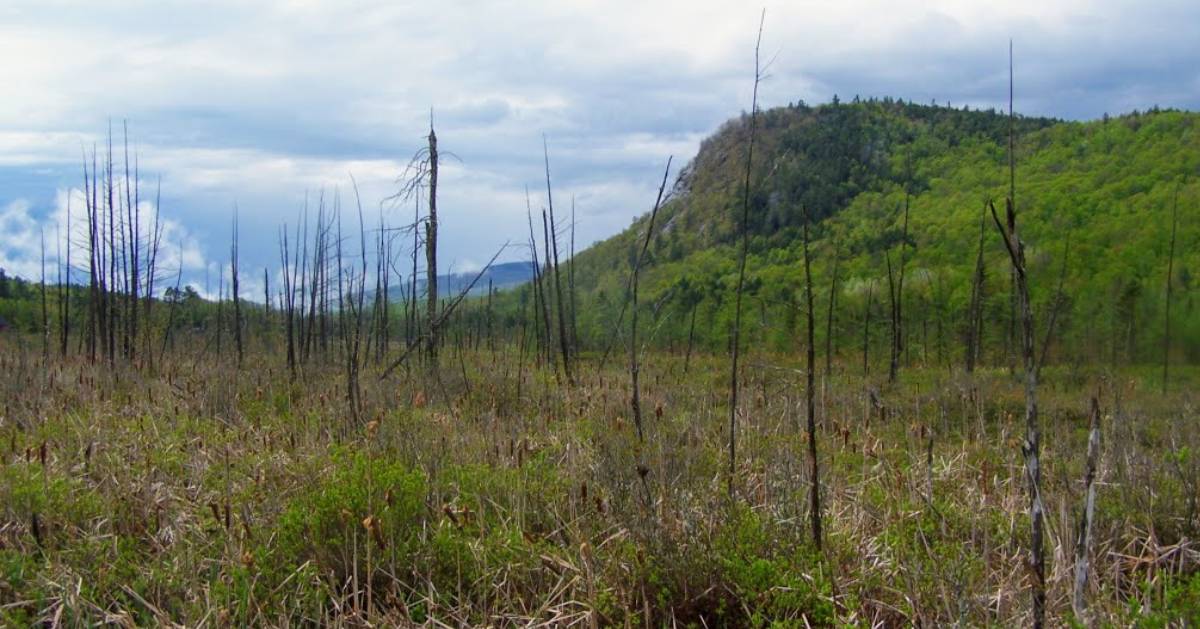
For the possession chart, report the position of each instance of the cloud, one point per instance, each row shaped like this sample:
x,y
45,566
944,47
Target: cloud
x,y
267,104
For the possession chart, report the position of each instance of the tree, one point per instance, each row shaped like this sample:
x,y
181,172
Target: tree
x,y
735,340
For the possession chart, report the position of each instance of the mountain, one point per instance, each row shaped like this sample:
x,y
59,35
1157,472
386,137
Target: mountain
x,y
503,275
1106,187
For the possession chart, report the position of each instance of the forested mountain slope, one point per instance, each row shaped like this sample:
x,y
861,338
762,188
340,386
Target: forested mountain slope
x,y
1105,187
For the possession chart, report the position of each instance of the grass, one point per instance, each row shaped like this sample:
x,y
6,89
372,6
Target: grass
x,y
198,496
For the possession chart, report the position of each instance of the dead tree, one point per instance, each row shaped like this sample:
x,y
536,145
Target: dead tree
x,y
1083,536
539,290
735,341
45,312
635,395
447,311
571,283
112,257
1031,448
563,341
133,262
867,329
89,198
545,273
220,309
352,306
421,172
64,289
810,395
1170,272
830,315
975,313
237,303
1056,305
152,267
172,306
431,232
896,291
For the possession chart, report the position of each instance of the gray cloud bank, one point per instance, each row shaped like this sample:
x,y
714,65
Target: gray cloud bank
x,y
262,103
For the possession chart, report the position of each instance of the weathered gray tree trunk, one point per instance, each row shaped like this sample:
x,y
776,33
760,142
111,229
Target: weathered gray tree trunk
x,y
1031,448
1083,538
635,398
1167,312
237,302
45,311
810,400
431,230
867,330
974,326
735,341
563,341
830,316
897,294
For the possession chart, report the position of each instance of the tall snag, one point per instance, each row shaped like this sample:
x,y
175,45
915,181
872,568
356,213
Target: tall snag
x,y
64,291
809,396
974,314
1083,537
563,341
45,312
1170,271
1031,448
896,291
635,395
422,170
830,313
735,341
431,226
237,302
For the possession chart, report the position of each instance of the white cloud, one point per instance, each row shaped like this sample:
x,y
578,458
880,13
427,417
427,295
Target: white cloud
x,y
259,103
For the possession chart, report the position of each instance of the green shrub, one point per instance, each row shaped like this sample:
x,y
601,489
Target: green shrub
x,y
326,524
780,585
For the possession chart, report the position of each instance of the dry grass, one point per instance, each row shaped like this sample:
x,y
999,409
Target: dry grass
x,y
203,497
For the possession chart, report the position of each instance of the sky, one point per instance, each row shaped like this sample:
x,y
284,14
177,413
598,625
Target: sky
x,y
264,105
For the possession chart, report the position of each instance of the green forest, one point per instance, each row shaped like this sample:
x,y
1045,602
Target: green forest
x,y
1096,201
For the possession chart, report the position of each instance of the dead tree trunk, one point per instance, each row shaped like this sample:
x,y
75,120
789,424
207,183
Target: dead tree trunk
x,y
132,220
571,283
1083,537
735,341
431,230
112,258
830,317
89,198
897,294
539,290
1167,312
172,306
237,303
810,402
867,330
152,269
1055,306
635,395
687,357
1031,448
45,312
563,341
974,325
64,290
